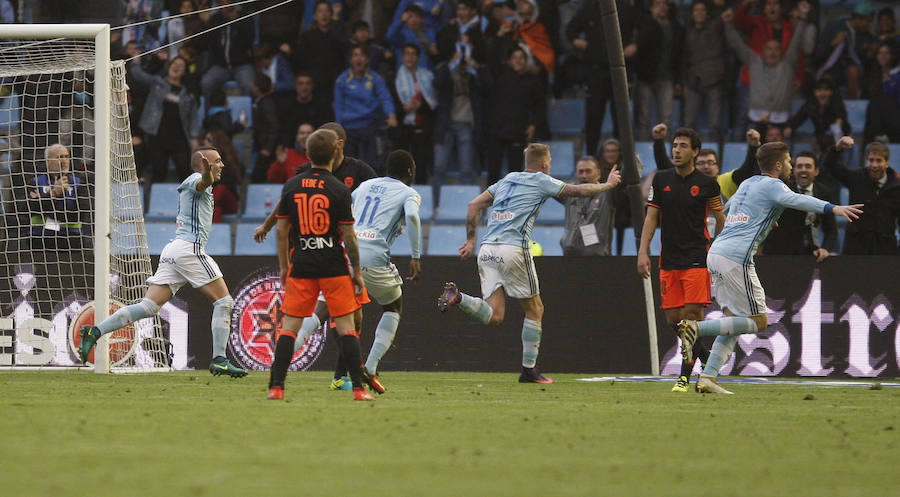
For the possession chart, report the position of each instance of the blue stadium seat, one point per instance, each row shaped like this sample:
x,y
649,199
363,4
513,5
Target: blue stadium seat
x,y
895,151
856,115
644,151
607,128
127,200
454,202
401,244
159,235
446,239
712,145
566,116
549,238
238,103
807,128
219,242
629,246
261,199
733,156
163,202
563,159
9,114
552,212
655,243
244,244
426,210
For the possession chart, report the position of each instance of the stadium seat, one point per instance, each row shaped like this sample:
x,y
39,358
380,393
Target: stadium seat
x,y
563,159
733,156
244,244
549,237
9,114
158,235
454,202
807,128
566,116
261,199
552,212
163,202
127,200
238,103
895,151
401,244
426,210
629,246
219,242
446,239
856,115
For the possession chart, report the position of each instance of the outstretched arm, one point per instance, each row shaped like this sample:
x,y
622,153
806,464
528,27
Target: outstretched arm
x,y
591,189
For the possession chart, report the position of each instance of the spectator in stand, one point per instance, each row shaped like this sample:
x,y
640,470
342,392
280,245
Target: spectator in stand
x,y
703,78
265,126
415,89
377,14
464,29
460,114
826,111
843,46
880,70
7,12
878,188
275,65
230,50
381,59
169,119
585,32
279,26
410,28
657,66
288,159
797,232
361,101
303,105
320,50
887,28
589,220
218,116
883,112
226,191
771,74
516,105
529,30
609,155
311,13
433,13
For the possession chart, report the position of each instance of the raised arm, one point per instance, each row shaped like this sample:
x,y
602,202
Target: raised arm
x,y
735,41
210,173
834,164
479,203
750,167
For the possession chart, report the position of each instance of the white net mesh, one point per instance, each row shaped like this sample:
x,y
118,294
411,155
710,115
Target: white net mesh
x,y
47,194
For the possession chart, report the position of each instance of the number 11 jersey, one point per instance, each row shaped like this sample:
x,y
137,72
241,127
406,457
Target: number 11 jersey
x,y
381,204
316,203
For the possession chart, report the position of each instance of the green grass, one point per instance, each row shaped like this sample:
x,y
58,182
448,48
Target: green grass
x,y
438,434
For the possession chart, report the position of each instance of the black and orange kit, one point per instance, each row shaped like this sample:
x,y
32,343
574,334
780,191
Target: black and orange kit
x,y
351,172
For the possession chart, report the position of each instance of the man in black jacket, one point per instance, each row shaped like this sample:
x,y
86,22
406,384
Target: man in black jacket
x,y
585,32
878,189
265,126
797,232
321,51
230,51
464,29
303,105
656,66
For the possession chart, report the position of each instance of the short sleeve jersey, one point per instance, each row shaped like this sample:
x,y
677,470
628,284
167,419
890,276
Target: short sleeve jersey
x,y
379,206
195,211
684,204
352,172
518,198
316,204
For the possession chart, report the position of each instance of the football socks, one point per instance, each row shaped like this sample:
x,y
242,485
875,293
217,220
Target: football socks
x,y
384,336
283,351
309,326
127,315
221,324
721,349
700,353
729,326
476,308
351,354
531,342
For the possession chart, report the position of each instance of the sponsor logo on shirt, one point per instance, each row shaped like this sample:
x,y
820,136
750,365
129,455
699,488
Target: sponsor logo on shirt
x,y
314,242
367,234
502,216
167,260
737,218
496,259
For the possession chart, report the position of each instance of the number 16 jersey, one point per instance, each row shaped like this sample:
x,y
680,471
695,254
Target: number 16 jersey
x,y
316,204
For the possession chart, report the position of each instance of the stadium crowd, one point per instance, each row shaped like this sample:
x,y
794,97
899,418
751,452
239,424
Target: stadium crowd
x,y
465,85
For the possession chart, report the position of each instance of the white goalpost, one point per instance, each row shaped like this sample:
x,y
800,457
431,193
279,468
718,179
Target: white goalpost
x,y
73,245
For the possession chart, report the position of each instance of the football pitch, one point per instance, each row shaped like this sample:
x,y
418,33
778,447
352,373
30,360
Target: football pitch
x,y
75,433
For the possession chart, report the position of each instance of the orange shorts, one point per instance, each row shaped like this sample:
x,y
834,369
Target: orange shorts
x,y
301,294
678,287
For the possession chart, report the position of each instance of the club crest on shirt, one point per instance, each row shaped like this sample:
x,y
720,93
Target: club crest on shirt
x,y
349,181
695,190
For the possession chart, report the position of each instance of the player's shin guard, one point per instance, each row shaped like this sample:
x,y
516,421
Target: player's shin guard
x,y
221,324
721,349
384,337
127,315
531,342
284,350
309,326
350,351
730,326
476,308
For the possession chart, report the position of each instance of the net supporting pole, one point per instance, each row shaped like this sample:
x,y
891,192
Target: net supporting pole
x,y
102,232
651,326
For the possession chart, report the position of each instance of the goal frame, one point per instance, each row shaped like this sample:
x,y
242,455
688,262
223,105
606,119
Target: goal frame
x,y
102,96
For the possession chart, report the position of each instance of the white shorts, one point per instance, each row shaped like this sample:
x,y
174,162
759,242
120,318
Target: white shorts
x,y
508,266
737,286
184,262
383,283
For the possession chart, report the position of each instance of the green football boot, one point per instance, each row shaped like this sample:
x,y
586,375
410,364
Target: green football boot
x,y
220,365
89,337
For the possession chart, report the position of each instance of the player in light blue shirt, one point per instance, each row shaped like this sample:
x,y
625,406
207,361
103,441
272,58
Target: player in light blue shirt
x,y
382,207
749,216
184,260
505,265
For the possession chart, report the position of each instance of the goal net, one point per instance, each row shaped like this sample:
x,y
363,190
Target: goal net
x,y
73,247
